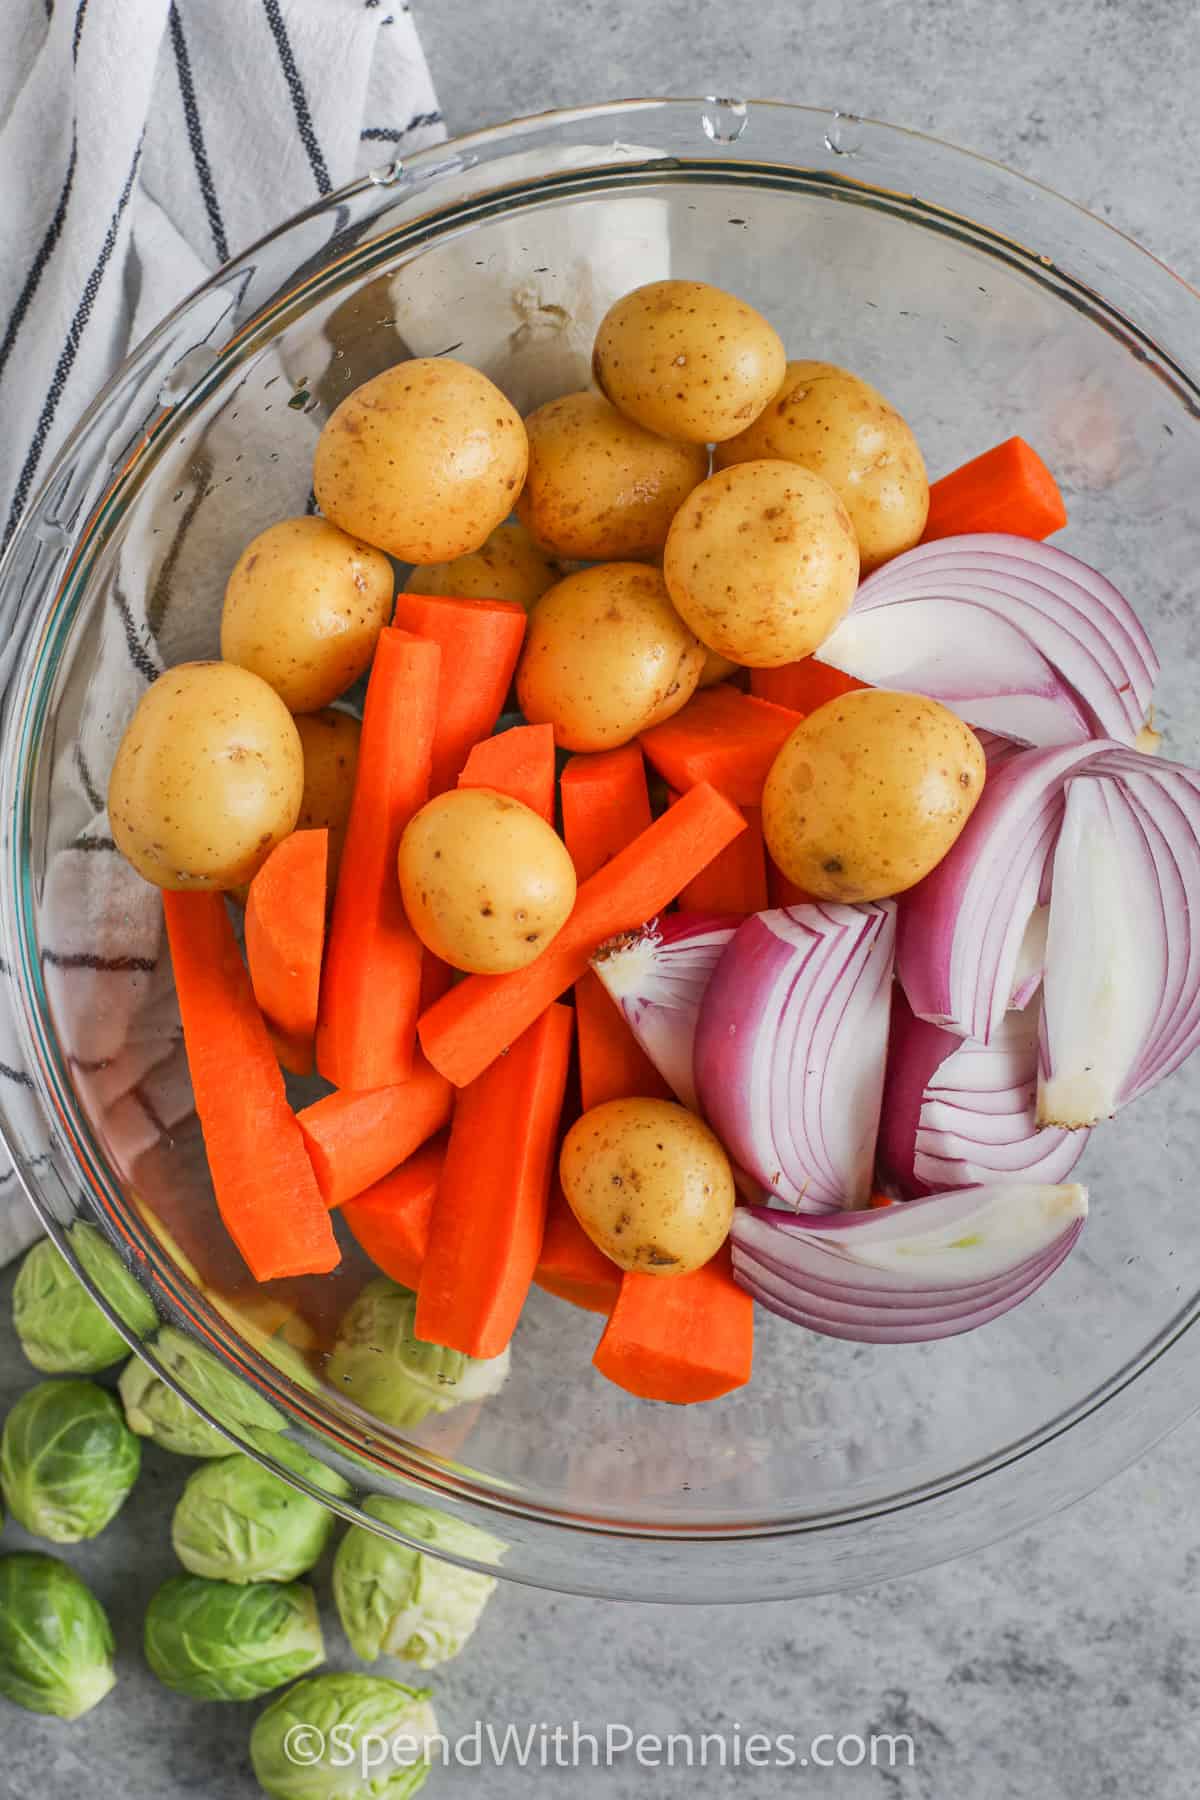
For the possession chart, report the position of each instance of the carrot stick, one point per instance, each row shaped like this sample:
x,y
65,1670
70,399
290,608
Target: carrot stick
x,y
802,685
724,737
681,1338
612,1064
735,881
605,805
519,763
1006,489
391,1219
354,1139
472,1024
371,983
263,1181
480,641
490,1213
285,936
570,1266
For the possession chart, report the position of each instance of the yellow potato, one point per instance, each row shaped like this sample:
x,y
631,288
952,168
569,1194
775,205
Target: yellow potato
x,y
207,779
599,486
330,743
486,882
424,460
841,428
687,360
762,562
304,607
716,668
650,1185
606,656
509,566
869,793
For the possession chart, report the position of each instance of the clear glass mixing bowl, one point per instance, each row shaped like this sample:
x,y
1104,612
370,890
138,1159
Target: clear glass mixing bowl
x,y
983,305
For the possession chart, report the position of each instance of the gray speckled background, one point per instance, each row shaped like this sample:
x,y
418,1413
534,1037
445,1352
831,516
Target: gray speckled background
x,y
1065,1662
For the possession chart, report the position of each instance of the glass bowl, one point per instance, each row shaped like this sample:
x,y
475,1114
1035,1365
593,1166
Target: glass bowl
x,y
983,305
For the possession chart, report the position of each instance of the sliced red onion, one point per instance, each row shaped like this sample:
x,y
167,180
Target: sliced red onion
x,y
791,1045
902,1275
657,976
1016,636
1031,958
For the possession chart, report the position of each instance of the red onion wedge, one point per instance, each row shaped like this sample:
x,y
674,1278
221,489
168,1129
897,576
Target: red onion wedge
x,y
902,1275
791,1046
657,976
1015,636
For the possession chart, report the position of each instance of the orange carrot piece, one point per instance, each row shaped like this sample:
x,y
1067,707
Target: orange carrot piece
x,y
782,891
295,1054
724,737
802,685
391,1219
355,1138
1006,489
490,1215
612,1064
472,1024
570,1266
285,937
371,982
266,1191
480,641
605,805
735,881
879,1200
519,762
680,1338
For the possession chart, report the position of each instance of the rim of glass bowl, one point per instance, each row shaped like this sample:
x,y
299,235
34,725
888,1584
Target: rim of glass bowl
x,y
44,577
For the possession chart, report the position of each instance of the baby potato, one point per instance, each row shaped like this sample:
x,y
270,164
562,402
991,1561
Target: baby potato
x,y
687,360
716,668
207,779
762,562
650,1185
509,566
329,741
600,487
843,429
304,607
869,793
606,656
486,882
424,460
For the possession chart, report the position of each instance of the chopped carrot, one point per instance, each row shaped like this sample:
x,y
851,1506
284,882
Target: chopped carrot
x,y
436,977
265,1187
472,1024
735,881
391,1219
285,936
724,737
355,1138
371,983
782,891
605,805
802,685
612,1064
570,1266
1006,489
520,763
880,1200
681,1338
490,1214
480,641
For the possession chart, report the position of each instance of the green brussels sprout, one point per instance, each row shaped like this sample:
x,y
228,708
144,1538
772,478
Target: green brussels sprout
x,y
382,1365
400,1602
154,1410
344,1737
67,1460
62,1330
237,1522
56,1645
214,1640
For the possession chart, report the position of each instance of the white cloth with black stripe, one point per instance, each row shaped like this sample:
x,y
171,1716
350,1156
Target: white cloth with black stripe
x,y
142,143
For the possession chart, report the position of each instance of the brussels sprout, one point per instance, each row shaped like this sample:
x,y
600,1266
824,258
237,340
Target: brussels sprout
x,y
67,1460
366,1737
155,1410
402,1602
56,1645
62,1330
237,1522
216,1641
380,1362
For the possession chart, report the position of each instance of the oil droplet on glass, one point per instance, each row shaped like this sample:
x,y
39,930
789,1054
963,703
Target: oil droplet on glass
x,y
724,120
844,136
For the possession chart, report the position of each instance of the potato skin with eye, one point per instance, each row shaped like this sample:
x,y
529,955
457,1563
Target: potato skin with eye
x,y
424,460
687,360
840,427
207,779
600,487
508,566
486,883
869,794
329,741
606,657
304,607
762,562
650,1185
